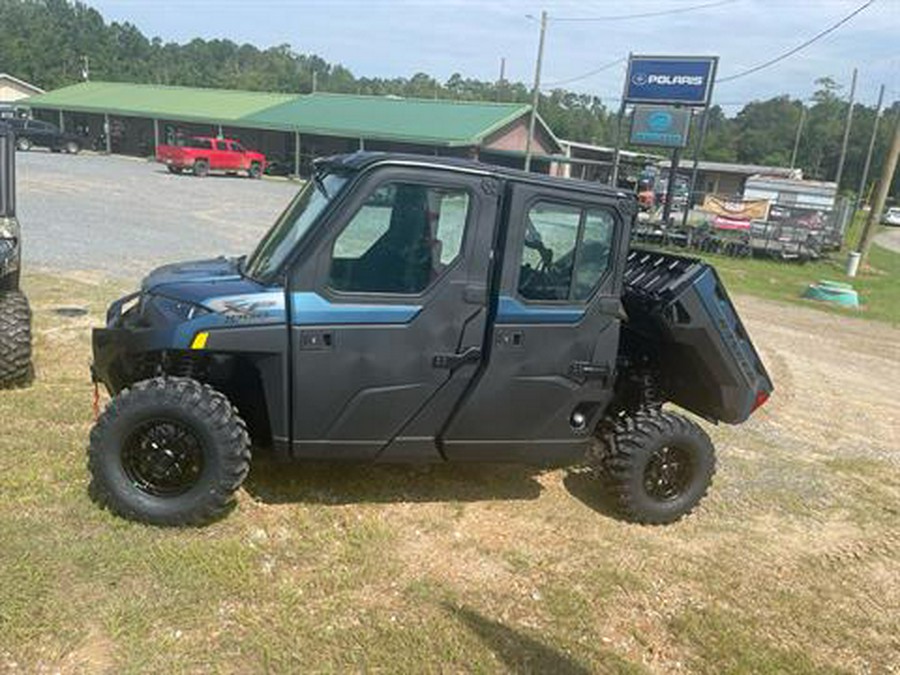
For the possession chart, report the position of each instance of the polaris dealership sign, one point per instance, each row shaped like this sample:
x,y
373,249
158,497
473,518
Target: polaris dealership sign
x,y
676,80
664,126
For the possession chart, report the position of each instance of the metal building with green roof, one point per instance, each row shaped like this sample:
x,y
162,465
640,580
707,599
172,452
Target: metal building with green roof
x,y
292,128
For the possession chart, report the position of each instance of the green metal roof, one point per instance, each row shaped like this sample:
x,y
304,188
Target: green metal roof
x,y
432,122
392,118
147,100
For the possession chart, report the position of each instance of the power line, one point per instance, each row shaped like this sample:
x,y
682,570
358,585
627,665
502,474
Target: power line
x,y
605,66
799,47
645,15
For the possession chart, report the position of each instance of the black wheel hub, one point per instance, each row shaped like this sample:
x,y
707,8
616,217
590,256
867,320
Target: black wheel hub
x,y
668,473
163,458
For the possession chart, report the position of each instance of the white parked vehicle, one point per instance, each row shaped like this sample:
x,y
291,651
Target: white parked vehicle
x,y
891,216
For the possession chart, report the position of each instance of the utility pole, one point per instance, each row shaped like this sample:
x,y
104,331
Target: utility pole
x,y
884,187
799,134
537,92
840,169
698,148
865,173
502,80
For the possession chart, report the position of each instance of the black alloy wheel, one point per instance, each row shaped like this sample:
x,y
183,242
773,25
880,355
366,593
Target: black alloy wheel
x,y
668,473
163,457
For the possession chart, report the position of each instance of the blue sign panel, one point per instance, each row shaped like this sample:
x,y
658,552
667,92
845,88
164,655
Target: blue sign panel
x,y
655,125
681,80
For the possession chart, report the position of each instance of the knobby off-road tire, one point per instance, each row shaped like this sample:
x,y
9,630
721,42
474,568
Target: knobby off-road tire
x,y
659,466
168,451
15,340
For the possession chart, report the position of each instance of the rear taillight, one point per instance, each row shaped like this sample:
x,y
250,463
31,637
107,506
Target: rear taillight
x,y
761,397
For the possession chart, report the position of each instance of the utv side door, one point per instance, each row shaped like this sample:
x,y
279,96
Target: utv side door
x,y
388,314
553,344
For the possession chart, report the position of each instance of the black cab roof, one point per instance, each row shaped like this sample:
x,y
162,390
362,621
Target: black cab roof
x,y
360,160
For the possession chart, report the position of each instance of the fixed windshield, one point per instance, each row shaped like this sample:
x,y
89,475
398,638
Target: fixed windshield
x,y
293,224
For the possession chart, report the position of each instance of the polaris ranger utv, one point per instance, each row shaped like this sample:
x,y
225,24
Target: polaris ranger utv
x,y
15,315
413,309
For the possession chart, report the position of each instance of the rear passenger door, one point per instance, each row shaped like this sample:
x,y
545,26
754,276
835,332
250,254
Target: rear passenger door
x,y
553,343
221,156
238,159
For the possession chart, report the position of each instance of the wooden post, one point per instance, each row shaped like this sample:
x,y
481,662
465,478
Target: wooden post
x,y
62,121
155,135
884,188
107,131
297,154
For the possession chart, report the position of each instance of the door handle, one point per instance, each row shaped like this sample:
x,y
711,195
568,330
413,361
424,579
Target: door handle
x,y
316,340
453,361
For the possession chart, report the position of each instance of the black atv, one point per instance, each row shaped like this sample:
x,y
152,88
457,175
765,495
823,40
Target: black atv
x,y
417,309
15,315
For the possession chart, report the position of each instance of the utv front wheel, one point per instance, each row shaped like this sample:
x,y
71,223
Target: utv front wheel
x,y
15,340
168,451
659,465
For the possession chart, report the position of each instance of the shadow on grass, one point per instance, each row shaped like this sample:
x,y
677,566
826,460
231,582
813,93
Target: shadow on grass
x,y
342,483
591,490
518,652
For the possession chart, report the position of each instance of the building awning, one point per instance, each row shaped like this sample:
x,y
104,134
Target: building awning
x,y
389,118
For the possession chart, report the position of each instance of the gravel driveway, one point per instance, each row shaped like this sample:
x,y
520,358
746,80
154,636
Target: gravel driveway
x,y
124,216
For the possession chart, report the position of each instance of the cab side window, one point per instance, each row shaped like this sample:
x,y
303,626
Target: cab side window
x,y
566,251
220,145
593,252
402,239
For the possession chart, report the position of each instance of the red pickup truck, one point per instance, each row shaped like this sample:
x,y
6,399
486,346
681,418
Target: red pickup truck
x,y
202,154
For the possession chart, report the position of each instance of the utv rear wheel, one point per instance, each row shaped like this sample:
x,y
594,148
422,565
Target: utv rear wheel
x,y
659,465
15,340
168,451
201,168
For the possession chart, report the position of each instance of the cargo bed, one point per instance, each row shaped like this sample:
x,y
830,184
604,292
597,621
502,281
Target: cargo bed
x,y
680,317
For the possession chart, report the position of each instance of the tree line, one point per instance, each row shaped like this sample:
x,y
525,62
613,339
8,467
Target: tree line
x,y
45,42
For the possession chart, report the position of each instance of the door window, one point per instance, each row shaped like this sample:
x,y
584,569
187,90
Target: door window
x,y
220,145
565,251
400,240
593,253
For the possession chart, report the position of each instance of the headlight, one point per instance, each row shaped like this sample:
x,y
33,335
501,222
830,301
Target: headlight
x,y
171,308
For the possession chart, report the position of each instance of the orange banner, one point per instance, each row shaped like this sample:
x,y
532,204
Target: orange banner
x,y
747,209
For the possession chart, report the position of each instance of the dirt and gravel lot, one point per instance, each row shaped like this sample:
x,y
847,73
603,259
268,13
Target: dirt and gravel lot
x,y
125,216
792,564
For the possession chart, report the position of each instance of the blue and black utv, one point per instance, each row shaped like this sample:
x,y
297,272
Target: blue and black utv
x,y
417,309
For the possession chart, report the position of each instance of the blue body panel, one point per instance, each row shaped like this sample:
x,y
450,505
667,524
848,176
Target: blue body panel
x,y
511,311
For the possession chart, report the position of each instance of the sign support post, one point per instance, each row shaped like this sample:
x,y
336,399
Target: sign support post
x,y
673,174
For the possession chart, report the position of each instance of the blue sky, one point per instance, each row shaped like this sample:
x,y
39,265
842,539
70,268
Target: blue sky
x,y
440,37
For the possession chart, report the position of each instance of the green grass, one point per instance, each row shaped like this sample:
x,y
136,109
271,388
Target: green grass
x,y
451,569
878,285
